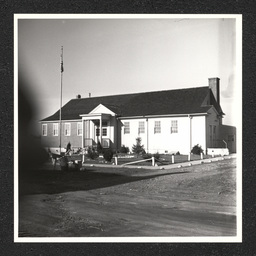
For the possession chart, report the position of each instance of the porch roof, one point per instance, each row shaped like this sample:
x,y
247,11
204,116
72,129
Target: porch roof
x,y
95,116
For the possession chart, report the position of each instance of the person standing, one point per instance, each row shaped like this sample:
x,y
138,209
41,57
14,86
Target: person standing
x,y
68,149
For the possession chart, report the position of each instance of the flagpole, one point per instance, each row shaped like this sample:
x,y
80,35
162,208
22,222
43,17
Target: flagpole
x,y
61,78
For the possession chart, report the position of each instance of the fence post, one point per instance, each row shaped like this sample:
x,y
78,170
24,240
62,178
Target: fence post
x,y
115,160
172,159
153,161
202,156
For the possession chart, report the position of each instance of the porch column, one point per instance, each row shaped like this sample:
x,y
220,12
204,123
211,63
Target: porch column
x,y
116,134
82,133
88,131
147,133
88,127
101,130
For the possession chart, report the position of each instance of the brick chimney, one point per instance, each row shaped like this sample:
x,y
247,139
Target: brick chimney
x,y
214,85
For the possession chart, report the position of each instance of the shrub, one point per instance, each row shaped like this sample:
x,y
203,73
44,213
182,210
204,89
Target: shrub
x,y
178,153
156,155
79,151
138,148
197,150
99,148
124,150
147,156
92,154
108,154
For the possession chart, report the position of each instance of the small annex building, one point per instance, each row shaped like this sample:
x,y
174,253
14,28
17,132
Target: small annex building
x,y
166,121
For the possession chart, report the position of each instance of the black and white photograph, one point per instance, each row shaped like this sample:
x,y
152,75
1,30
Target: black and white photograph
x,y
128,128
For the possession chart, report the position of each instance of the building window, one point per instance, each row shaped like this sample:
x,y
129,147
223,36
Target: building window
x,y
44,129
174,126
104,132
67,129
97,132
79,129
141,127
55,129
157,128
126,127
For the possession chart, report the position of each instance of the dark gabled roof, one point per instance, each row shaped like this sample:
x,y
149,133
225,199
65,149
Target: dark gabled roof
x,y
215,104
180,101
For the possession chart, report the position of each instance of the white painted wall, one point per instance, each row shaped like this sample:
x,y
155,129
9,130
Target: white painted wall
x,y
199,132
129,140
166,142
112,128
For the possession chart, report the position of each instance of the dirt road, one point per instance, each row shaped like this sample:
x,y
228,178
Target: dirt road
x,y
110,202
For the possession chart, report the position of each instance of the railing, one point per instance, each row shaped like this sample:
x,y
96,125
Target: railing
x,y
88,142
138,161
174,159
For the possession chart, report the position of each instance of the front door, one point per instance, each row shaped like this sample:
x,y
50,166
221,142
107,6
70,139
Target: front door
x,y
104,134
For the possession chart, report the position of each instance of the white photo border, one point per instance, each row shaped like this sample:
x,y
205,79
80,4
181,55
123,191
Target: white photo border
x,y
225,239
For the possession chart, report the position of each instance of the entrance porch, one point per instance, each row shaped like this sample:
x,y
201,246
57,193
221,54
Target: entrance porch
x,y
96,128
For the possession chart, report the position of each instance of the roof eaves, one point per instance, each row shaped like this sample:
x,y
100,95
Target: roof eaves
x,y
166,115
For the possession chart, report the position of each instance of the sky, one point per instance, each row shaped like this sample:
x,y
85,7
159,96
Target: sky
x,y
111,56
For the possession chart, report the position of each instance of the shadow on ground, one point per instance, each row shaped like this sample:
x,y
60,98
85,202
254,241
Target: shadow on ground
x,y
55,181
